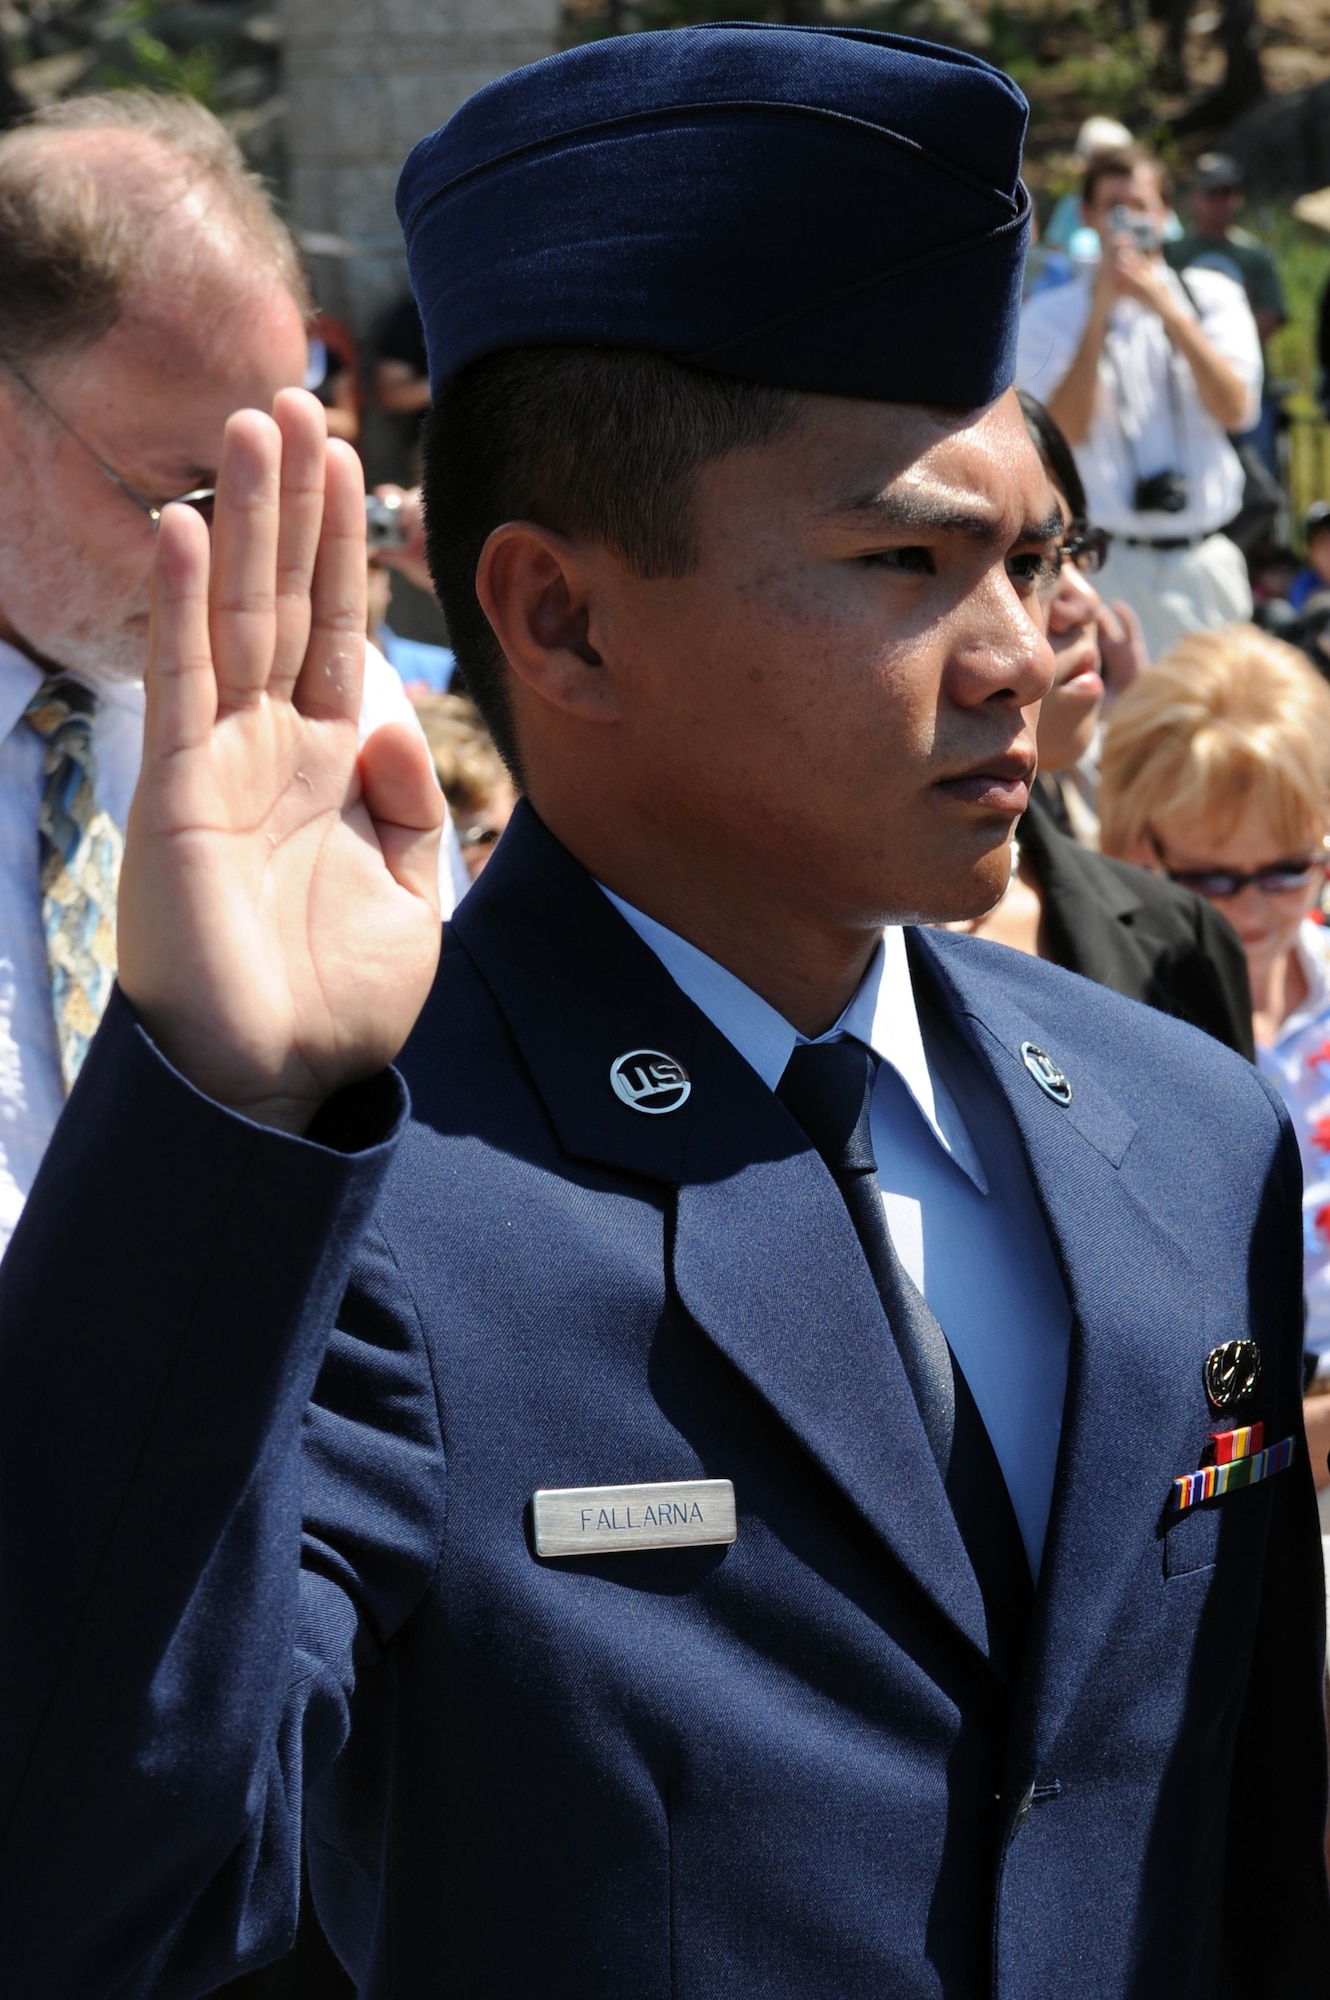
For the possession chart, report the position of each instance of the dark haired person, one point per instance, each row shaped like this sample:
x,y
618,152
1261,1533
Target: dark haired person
x,y
693,1508
1147,372
1104,918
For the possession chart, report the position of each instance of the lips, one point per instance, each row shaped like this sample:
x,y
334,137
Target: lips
x,y
999,785
1085,682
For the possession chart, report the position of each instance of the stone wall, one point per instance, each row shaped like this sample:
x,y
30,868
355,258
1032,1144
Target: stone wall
x,y
364,80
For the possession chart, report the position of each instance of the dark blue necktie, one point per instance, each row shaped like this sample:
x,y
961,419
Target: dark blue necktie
x,y
828,1088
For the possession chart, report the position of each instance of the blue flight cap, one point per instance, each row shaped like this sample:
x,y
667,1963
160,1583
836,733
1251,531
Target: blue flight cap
x,y
822,209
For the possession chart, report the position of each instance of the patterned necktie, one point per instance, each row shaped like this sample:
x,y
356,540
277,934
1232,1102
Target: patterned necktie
x,y
828,1088
80,849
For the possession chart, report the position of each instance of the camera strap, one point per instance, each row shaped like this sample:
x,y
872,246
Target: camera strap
x,y
1181,457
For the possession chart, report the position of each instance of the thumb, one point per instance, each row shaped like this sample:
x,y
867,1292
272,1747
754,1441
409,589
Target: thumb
x,y
402,796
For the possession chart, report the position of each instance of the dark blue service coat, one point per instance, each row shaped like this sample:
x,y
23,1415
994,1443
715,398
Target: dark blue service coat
x,y
248,1559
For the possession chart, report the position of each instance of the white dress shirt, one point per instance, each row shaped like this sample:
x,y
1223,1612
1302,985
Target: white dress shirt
x,y
31,1091
959,1205
1140,425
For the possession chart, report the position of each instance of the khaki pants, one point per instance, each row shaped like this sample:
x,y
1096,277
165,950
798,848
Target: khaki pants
x,y
1174,591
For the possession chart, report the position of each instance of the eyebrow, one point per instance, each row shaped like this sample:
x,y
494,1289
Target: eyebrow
x,y
903,512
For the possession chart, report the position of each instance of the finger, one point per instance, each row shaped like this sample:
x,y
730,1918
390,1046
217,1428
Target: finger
x,y
242,602
1131,623
403,799
330,679
304,430
1111,627
180,683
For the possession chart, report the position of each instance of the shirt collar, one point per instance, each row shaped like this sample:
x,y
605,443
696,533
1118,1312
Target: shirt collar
x,y
21,677
19,682
1313,950
882,1014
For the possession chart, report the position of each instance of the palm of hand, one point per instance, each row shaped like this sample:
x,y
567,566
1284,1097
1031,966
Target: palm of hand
x,y
278,912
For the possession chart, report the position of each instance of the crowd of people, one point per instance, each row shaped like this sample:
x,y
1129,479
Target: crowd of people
x,y
1175,846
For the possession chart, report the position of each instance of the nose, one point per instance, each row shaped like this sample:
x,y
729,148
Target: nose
x,y
1002,654
1075,601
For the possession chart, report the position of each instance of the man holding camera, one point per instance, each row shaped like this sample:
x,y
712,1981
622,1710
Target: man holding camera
x,y
1148,372
147,290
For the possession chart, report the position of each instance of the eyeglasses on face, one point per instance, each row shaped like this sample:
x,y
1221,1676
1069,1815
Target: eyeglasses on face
x,y
1086,549
1217,885
200,498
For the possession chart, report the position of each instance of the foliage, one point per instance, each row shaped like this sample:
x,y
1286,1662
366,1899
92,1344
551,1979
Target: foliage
x,y
146,61
1303,255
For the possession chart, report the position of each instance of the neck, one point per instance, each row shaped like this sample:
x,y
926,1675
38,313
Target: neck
x,y
805,966
1278,988
20,645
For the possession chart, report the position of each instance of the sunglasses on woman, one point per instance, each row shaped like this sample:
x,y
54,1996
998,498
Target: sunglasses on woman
x,y
1278,878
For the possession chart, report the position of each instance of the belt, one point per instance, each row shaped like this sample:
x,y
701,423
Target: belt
x,y
1162,541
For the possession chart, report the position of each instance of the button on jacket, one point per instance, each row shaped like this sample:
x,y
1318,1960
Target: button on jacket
x,y
249,1559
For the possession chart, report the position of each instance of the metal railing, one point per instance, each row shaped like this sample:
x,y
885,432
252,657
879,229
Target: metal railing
x,y
1304,463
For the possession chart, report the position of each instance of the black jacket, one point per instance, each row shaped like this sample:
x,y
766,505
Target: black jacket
x,y
1137,933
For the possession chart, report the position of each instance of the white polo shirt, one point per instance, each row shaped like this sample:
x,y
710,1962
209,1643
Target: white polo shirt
x,y
1148,414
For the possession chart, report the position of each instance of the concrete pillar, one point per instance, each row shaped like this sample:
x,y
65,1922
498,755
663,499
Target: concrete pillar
x,y
364,80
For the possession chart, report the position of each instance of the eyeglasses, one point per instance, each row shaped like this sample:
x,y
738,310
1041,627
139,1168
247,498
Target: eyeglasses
x,y
201,498
1086,550
1217,885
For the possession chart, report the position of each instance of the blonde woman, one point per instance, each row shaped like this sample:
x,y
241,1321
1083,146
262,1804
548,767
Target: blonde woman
x,y
1216,772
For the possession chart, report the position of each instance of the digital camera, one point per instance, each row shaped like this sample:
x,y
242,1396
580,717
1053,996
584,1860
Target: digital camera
x,y
383,524
1161,493
1144,232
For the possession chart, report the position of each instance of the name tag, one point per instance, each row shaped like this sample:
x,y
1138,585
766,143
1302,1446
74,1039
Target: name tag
x,y
594,1520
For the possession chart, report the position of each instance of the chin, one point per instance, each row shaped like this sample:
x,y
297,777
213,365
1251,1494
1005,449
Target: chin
x,y
117,657
972,891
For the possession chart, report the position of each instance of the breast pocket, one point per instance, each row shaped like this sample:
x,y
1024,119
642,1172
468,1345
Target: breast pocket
x,y
1191,1540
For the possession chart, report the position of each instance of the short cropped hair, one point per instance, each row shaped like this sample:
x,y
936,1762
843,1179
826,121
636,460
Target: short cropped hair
x,y
73,243
1121,165
600,442
1224,721
1055,455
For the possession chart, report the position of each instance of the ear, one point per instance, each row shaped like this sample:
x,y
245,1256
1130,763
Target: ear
x,y
540,591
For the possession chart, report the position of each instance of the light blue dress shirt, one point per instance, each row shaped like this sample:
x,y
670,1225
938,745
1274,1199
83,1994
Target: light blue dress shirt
x,y
959,1204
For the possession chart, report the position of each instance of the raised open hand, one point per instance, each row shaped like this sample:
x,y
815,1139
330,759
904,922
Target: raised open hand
x,y
278,912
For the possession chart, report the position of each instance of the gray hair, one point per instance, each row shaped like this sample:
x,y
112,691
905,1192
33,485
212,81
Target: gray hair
x,y
74,241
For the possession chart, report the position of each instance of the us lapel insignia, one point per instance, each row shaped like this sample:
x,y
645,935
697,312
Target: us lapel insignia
x,y
612,1520
1232,1373
1240,1459
647,1080
1046,1073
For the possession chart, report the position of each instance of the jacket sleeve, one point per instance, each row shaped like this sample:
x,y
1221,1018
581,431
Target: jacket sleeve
x,y
172,1673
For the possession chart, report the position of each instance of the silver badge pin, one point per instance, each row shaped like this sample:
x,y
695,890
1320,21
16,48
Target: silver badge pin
x,y
1046,1073
601,1520
1232,1373
646,1080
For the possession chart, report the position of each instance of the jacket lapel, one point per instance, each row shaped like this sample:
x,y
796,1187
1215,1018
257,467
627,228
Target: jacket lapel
x,y
765,1258
767,1263
1139,1329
